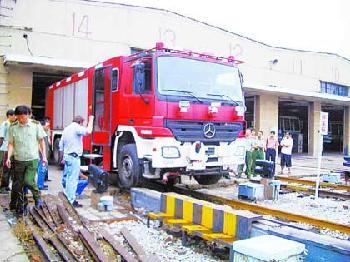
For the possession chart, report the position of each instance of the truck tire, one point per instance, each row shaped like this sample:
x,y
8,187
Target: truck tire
x,y
129,169
207,179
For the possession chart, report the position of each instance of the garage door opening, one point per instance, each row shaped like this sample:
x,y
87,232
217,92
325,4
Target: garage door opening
x,y
293,118
333,142
41,81
249,114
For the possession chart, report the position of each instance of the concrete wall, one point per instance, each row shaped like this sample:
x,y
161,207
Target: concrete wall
x,y
266,113
15,88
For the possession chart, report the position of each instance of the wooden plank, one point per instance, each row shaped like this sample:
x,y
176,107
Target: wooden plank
x,y
137,247
117,246
44,248
93,247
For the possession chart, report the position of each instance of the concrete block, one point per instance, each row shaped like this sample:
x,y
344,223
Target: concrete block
x,y
267,248
146,198
95,198
332,178
245,220
251,191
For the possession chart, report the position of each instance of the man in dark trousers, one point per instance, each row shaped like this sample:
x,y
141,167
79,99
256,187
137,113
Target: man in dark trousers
x,y
23,139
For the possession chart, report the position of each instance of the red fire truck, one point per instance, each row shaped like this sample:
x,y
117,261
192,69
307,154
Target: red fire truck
x,y
159,114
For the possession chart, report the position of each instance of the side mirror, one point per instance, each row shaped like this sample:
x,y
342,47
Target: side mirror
x,y
139,78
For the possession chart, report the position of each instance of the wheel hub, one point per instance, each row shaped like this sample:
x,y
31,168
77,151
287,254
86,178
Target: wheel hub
x,y
127,167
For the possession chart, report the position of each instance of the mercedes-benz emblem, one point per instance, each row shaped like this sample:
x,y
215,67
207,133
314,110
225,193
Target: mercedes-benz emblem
x,y
209,130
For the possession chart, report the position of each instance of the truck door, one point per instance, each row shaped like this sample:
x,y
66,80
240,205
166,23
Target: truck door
x,y
102,106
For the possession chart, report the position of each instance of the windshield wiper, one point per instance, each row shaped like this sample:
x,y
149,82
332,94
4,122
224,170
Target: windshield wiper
x,y
185,92
229,98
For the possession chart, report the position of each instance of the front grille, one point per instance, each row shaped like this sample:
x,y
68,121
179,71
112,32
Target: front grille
x,y
191,131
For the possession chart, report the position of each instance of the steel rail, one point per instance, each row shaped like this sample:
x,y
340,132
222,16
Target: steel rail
x,y
313,183
322,193
237,204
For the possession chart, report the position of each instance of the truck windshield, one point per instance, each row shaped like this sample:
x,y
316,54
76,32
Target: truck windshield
x,y
198,78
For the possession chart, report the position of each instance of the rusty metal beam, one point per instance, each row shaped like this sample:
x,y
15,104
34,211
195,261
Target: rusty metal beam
x,y
64,252
137,247
117,246
57,240
312,183
92,245
65,218
71,210
44,248
52,208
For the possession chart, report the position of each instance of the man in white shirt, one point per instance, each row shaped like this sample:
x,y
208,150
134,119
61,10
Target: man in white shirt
x,y
286,152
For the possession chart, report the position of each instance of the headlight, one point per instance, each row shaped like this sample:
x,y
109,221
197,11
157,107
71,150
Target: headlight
x,y
170,152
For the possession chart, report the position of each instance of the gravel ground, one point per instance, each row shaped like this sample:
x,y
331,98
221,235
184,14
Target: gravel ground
x,y
165,246
322,208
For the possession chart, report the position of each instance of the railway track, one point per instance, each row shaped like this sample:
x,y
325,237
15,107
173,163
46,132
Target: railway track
x,y
321,192
284,215
313,183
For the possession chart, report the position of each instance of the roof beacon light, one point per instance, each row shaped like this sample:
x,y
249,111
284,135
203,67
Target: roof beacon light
x,y
231,59
184,105
159,46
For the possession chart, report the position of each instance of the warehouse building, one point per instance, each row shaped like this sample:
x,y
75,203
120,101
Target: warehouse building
x,y
285,89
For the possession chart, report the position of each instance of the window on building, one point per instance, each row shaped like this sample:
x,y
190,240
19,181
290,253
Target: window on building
x,y
334,89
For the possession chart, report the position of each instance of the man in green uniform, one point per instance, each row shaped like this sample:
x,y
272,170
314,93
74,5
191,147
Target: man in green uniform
x,y
4,171
258,150
23,139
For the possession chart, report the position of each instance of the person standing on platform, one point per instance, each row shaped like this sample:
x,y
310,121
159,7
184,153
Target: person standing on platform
x,y
272,149
258,150
286,152
4,171
249,152
24,136
71,145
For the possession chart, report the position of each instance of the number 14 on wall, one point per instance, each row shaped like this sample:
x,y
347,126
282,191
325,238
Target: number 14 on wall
x,y
80,25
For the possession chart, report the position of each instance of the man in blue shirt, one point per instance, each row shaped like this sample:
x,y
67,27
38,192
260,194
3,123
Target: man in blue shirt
x,y
71,144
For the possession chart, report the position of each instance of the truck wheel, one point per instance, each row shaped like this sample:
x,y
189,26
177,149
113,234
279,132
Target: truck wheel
x,y
207,179
129,169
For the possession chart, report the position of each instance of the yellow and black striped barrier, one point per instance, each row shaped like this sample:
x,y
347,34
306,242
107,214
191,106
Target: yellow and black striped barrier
x,y
204,219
